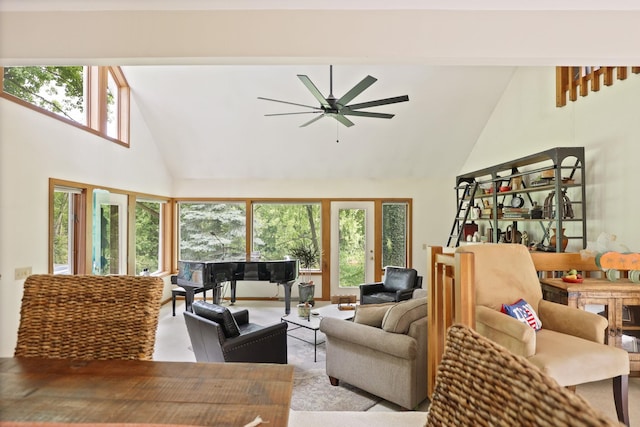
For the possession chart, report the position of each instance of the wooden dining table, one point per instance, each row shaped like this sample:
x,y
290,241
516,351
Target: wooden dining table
x,y
131,391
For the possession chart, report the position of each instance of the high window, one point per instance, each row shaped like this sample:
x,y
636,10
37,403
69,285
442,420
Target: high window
x,y
93,98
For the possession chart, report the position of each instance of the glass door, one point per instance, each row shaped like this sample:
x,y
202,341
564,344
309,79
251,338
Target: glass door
x,y
109,233
352,234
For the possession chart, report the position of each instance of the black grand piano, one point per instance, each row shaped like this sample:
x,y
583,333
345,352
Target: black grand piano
x,y
212,274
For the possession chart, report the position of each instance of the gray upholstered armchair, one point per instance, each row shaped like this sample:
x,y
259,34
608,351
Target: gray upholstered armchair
x,y
397,284
217,335
383,351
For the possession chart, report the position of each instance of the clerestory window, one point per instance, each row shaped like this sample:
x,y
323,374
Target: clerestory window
x,y
93,98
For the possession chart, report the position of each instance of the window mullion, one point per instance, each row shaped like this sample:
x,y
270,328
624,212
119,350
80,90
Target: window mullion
x,y
97,98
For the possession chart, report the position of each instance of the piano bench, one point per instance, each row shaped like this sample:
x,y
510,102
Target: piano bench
x,y
179,291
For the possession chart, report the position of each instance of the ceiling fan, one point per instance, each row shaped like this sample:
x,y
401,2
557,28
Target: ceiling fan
x,y
339,108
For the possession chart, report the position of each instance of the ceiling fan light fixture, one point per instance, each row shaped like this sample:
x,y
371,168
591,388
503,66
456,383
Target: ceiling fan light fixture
x,y
339,108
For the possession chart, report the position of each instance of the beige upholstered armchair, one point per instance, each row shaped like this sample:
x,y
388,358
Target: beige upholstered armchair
x,y
383,351
569,347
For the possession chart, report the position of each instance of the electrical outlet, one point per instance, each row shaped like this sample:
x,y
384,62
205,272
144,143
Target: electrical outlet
x,y
23,273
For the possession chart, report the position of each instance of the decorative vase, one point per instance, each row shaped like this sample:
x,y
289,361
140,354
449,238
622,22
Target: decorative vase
x,y
306,292
304,311
553,239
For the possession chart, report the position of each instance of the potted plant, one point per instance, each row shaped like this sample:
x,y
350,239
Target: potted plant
x,y
307,255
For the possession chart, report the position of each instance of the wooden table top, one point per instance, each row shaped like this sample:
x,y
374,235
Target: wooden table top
x,y
128,391
594,284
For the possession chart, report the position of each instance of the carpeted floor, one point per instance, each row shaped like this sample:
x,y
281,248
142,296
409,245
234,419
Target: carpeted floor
x,y
312,390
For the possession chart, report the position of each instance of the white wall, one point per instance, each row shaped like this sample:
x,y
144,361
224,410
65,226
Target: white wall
x,y
606,123
34,148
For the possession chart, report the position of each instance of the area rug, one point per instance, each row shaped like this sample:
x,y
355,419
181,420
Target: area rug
x,y
312,391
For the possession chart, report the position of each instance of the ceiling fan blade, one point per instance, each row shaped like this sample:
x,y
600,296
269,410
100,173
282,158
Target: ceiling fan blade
x,y
342,119
315,119
287,102
347,112
378,102
314,90
289,114
356,90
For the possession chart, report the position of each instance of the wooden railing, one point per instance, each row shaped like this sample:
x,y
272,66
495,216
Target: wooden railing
x,y
581,80
451,297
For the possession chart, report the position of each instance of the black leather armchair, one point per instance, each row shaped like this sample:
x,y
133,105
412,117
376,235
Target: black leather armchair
x,y
217,335
398,284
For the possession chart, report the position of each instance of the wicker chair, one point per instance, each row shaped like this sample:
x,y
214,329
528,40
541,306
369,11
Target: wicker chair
x,y
481,383
89,317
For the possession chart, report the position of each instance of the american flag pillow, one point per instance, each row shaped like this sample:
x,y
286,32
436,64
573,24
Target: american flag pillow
x,y
523,311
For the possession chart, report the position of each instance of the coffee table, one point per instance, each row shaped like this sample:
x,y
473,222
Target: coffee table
x,y
313,323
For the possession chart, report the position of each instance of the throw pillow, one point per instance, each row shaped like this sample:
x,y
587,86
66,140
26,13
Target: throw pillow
x,y
371,314
523,311
403,314
220,315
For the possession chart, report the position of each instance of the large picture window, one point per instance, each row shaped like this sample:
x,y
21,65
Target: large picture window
x,y
280,229
211,231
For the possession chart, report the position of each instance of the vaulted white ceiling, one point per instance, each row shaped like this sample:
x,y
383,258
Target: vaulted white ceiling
x,y
196,69
212,113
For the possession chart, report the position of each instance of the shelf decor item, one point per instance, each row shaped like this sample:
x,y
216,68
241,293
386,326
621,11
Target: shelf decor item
x,y
554,239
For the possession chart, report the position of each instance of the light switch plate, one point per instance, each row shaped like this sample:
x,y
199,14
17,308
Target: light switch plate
x,y
22,273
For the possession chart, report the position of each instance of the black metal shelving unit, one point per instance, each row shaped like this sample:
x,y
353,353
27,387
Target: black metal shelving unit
x,y
566,168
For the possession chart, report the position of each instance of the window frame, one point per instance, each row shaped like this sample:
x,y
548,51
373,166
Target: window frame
x,y
95,102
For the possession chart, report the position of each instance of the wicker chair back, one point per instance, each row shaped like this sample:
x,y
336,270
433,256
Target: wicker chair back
x,y
481,383
89,317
